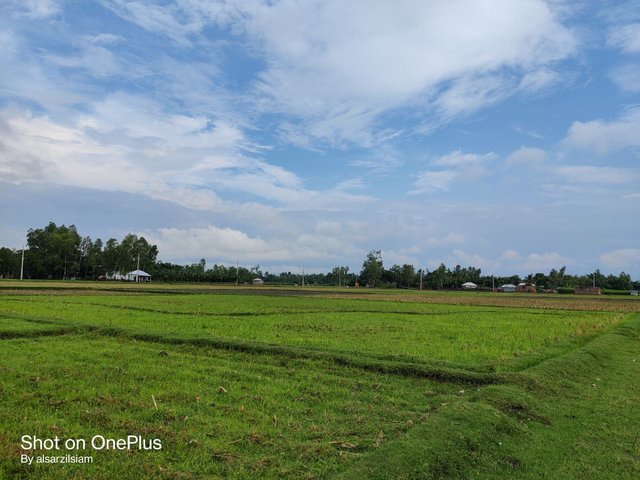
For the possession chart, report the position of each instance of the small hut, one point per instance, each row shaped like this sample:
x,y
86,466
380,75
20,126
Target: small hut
x,y
469,285
587,291
138,276
257,281
526,288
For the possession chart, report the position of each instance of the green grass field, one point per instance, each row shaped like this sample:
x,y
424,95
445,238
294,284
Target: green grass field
x,y
316,383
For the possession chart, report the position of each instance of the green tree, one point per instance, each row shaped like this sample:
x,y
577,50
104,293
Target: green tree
x,y
439,278
110,260
54,252
372,268
10,262
338,275
407,275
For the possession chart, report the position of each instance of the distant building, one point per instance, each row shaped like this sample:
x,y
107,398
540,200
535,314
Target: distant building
x,y
507,288
138,276
526,288
634,292
587,291
469,285
257,281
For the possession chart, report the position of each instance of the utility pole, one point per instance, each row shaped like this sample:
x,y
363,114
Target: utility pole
x,y
22,264
237,272
138,270
303,275
594,279
493,284
420,279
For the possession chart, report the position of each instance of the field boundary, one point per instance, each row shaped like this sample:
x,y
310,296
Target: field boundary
x,y
487,419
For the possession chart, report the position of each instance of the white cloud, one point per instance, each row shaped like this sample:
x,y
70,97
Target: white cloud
x,y
470,93
37,9
193,198
338,66
135,147
458,158
381,161
512,261
214,243
625,259
394,257
626,38
627,77
96,59
605,137
510,255
434,181
463,167
539,80
591,174
37,149
107,39
526,156
528,132
447,240
171,20
460,257
326,242
542,262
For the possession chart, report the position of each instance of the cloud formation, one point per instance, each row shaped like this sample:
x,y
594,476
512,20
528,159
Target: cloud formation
x,y
304,131
606,136
460,167
337,67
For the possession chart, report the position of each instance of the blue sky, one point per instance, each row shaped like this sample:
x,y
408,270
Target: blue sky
x,y
496,133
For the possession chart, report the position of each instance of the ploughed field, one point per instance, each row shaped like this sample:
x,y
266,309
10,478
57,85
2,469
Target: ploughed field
x,y
317,383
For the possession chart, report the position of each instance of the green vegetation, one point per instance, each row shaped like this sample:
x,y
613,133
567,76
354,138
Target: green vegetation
x,y
59,252
471,336
292,384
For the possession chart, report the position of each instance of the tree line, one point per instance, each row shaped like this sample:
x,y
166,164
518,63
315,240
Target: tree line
x,y
60,252
373,273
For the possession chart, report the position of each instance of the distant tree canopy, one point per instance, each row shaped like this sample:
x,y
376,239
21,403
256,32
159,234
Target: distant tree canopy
x,y
59,252
53,251
372,268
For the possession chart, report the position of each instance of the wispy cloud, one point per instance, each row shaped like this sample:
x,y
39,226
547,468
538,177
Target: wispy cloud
x,y
596,174
528,132
626,38
527,156
337,67
460,167
606,136
627,77
179,158
624,258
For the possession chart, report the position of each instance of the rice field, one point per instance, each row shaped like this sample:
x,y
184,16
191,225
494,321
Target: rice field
x,y
239,383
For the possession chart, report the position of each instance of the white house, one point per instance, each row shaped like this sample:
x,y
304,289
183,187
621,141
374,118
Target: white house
x,y
138,276
469,285
508,287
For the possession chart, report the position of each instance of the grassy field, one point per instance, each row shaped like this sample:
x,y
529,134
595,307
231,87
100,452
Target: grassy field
x,y
319,383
